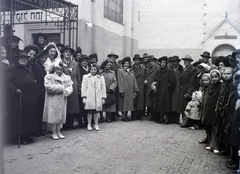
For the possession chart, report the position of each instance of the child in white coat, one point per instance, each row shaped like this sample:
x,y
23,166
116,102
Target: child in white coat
x,y
93,92
58,87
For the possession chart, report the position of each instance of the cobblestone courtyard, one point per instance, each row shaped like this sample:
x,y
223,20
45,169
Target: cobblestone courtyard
x,y
141,147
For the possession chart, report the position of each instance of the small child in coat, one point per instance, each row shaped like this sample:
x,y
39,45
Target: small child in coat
x,y
93,92
58,87
192,110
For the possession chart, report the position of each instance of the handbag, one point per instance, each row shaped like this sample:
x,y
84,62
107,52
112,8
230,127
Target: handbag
x,y
110,98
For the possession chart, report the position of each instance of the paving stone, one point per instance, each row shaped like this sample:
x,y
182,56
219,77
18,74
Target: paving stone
x,y
137,147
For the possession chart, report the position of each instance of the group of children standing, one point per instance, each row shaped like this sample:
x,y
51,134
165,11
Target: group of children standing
x,y
217,106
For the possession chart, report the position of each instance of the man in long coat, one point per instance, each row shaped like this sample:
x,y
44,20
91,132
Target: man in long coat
x,y
83,69
71,68
112,57
187,84
140,74
165,85
177,68
152,72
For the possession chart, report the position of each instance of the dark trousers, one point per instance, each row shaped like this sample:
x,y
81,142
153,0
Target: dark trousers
x,y
82,117
209,133
69,121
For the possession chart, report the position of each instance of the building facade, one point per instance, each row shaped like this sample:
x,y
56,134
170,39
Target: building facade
x,y
181,27
104,26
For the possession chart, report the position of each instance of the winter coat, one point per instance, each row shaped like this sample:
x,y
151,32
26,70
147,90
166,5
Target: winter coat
x,y
82,72
152,73
165,86
58,88
20,77
235,132
209,116
111,84
176,92
127,85
226,89
229,108
94,90
187,84
192,110
141,76
72,70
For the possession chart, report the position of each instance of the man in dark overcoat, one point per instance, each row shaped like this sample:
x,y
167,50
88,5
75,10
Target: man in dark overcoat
x,y
112,57
178,69
187,84
83,69
164,89
140,74
152,71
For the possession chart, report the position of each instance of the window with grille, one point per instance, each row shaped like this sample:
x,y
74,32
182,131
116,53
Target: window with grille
x,y
113,10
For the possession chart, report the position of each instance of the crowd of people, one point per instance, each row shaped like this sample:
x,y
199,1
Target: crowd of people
x,y
50,87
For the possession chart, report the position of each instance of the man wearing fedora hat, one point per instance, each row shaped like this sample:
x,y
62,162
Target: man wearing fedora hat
x,y
152,71
178,69
83,69
206,56
139,100
70,67
188,82
112,57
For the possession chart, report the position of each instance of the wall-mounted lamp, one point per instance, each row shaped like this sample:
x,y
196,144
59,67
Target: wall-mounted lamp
x,y
89,25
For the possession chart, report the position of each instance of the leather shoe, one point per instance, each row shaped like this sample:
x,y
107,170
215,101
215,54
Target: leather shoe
x,y
233,166
223,152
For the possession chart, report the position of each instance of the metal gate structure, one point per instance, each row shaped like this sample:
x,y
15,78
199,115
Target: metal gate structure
x,y
63,14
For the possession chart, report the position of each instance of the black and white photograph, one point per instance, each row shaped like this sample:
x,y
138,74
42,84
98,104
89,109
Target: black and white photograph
x,y
119,86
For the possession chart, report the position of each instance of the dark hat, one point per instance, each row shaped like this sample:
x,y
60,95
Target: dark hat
x,y
206,54
126,59
16,38
187,57
22,53
151,57
94,55
8,28
136,56
59,45
145,55
163,58
235,53
195,64
78,50
174,58
41,34
67,47
222,59
113,55
104,63
42,53
32,47
83,57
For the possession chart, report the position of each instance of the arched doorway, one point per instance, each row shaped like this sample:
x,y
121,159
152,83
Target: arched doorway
x,y
222,50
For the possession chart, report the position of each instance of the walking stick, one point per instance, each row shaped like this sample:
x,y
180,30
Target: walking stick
x,y
20,116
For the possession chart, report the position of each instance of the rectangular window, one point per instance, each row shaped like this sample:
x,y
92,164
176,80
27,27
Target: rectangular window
x,y
113,10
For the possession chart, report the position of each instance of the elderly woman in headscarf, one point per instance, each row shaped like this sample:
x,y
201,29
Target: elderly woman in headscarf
x,y
127,86
23,91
